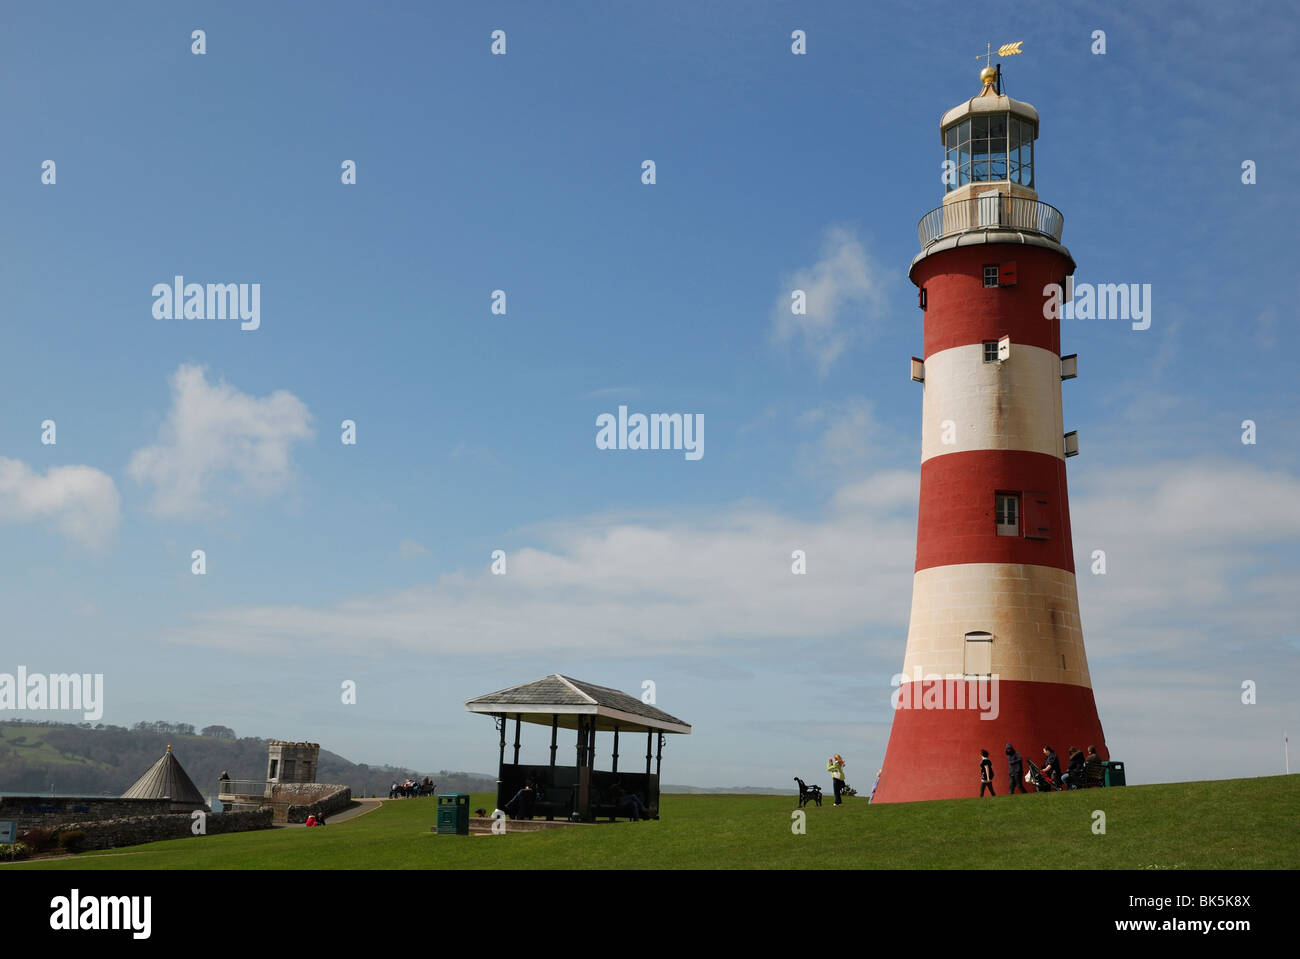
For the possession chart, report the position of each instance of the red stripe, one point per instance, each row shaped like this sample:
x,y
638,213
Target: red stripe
x,y
935,753
956,521
960,311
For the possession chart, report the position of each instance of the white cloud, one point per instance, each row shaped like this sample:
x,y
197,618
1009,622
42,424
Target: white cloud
x,y
81,501
850,436
409,549
619,586
1196,552
1199,554
215,432
1199,595
844,298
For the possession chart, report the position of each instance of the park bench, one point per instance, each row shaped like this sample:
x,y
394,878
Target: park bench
x,y
1094,774
602,804
554,801
808,793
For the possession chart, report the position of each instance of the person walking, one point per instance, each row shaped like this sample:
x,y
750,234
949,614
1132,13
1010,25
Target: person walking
x,y
835,766
1016,764
986,773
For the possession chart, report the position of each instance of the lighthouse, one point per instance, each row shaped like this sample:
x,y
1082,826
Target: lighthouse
x,y
995,649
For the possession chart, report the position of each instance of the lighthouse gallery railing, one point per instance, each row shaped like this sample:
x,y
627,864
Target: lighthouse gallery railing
x,y
993,211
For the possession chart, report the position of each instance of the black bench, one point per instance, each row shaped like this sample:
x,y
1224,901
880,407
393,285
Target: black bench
x,y
808,793
554,801
1094,774
601,805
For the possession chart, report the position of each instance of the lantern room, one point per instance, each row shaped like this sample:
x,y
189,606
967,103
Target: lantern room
x,y
989,144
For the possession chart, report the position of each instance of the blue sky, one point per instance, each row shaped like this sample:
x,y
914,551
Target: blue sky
x,y
476,431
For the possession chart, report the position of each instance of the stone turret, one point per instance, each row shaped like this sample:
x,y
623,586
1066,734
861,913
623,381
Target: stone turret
x,y
289,762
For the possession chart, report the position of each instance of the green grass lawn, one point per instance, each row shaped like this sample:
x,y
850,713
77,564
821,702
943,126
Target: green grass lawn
x,y
1232,824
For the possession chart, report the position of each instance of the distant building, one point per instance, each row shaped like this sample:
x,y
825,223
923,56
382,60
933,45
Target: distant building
x,y
290,785
165,788
292,762
167,779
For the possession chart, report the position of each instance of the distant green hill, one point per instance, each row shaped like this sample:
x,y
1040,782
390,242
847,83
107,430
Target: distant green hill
x,y
94,760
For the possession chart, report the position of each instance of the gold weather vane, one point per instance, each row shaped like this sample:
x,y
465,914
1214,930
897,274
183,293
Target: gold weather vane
x,y
1006,50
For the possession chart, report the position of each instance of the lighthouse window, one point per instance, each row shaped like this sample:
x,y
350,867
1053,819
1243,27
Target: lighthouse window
x,y
990,351
989,148
1007,512
991,275
1020,151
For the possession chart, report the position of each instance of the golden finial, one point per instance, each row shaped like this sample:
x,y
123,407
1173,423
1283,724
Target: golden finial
x,y
989,75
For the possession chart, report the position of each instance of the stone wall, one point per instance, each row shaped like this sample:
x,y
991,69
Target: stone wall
x,y
341,798
112,833
30,812
287,796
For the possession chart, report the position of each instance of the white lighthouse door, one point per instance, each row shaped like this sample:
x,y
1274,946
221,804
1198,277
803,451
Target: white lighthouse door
x,y
978,658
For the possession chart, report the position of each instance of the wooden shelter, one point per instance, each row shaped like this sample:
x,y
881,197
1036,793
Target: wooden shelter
x,y
580,791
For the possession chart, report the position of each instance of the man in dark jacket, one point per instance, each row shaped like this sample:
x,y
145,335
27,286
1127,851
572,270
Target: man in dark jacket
x,y
1017,766
1074,777
1051,765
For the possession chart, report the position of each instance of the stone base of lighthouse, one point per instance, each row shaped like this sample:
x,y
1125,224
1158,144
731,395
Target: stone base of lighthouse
x,y
935,753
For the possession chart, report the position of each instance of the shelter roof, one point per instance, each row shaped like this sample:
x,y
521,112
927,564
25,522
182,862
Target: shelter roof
x,y
567,698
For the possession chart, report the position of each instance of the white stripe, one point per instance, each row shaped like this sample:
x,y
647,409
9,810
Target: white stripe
x,y
973,405
1032,612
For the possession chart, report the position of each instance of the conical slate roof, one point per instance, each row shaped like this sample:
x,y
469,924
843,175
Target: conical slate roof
x,y
165,779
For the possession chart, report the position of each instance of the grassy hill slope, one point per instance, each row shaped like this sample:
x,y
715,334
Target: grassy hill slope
x,y
1231,824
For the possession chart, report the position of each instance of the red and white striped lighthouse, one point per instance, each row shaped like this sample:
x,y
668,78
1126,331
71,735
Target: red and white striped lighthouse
x,y
994,648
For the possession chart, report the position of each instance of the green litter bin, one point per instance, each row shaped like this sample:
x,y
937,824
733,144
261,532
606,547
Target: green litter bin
x,y
453,814
1114,773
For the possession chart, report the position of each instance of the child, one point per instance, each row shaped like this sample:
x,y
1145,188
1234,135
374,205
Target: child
x,y
986,773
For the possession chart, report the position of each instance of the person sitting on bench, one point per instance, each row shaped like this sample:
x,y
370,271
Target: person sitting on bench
x,y
623,799
520,805
1074,777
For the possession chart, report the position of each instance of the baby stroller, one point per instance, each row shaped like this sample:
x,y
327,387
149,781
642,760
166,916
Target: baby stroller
x,y
1041,781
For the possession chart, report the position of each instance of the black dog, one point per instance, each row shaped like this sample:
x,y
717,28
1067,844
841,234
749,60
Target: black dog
x,y
808,792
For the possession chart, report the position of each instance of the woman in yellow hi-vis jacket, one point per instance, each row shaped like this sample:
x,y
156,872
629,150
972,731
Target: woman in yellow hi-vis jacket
x,y
835,766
